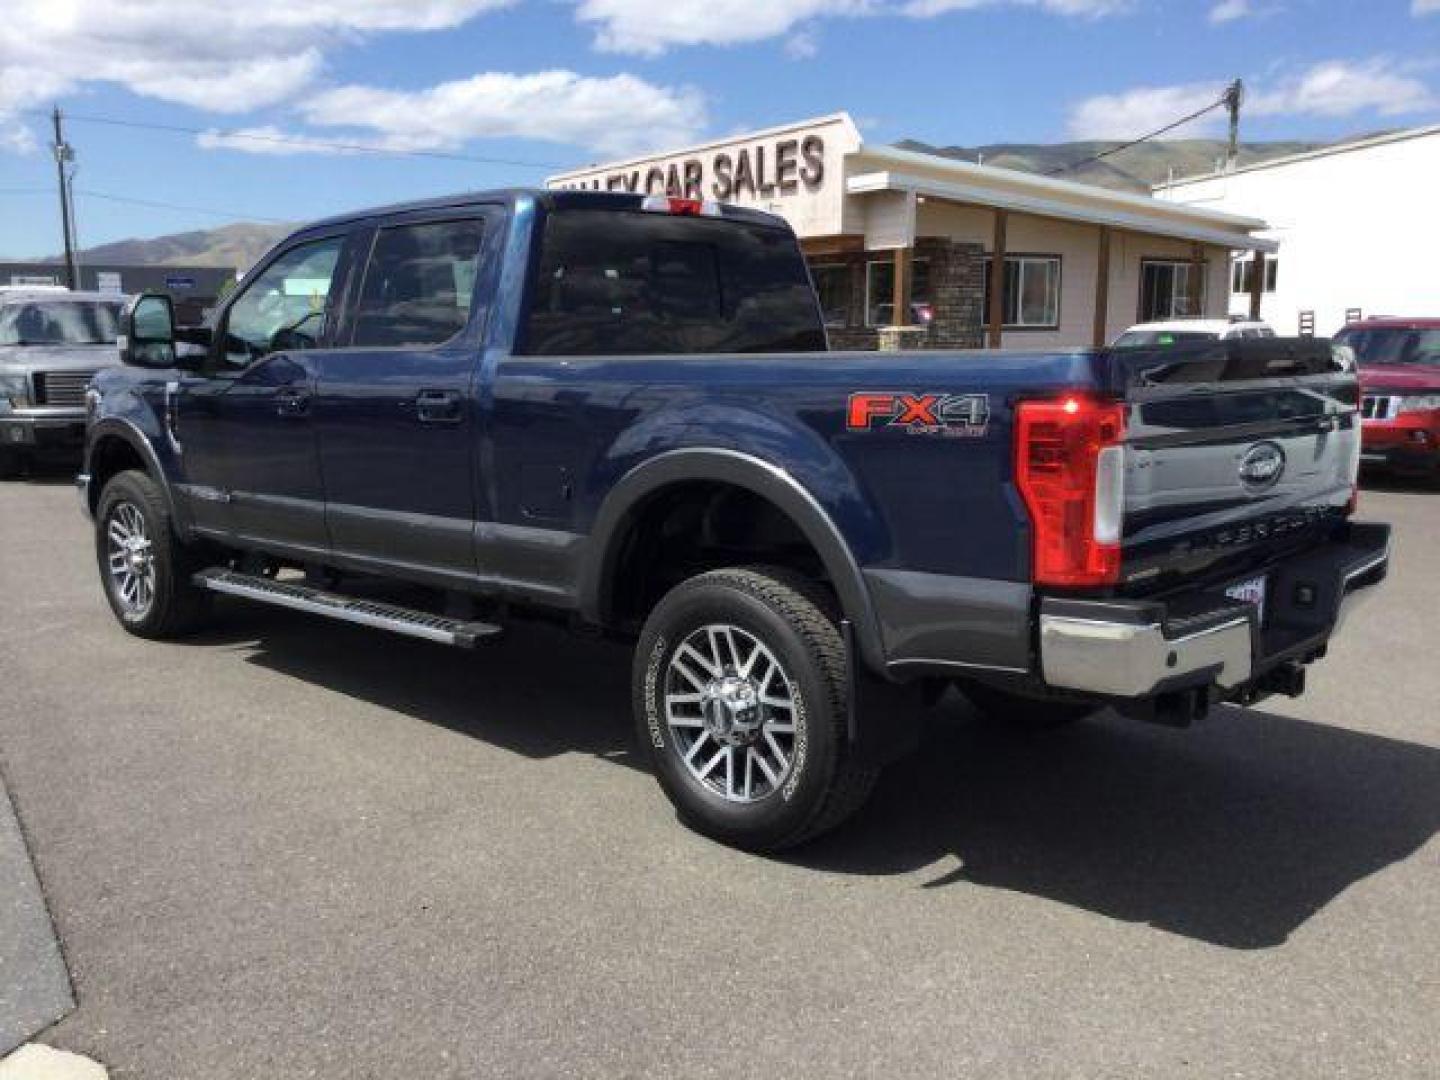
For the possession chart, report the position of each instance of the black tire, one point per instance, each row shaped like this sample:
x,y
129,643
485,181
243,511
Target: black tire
x,y
823,783
1029,714
175,606
12,464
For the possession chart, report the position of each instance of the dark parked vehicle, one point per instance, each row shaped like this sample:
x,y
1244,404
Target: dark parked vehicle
x,y
617,409
1399,363
51,342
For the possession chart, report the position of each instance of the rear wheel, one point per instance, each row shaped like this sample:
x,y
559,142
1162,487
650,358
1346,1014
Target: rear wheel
x,y
1031,714
741,692
144,567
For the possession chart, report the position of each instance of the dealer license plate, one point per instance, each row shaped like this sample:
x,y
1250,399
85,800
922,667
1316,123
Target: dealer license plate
x,y
1251,591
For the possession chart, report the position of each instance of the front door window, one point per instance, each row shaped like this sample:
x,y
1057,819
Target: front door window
x,y
285,306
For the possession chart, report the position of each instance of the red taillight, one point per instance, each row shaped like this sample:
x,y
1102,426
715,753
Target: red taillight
x,y
1070,471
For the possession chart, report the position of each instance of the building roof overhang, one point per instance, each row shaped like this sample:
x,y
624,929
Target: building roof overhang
x,y
982,185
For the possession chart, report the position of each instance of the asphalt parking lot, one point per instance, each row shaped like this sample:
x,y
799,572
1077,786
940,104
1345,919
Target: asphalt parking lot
x,y
290,848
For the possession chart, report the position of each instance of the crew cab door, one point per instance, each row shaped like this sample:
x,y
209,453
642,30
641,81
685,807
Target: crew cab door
x,y
244,424
395,410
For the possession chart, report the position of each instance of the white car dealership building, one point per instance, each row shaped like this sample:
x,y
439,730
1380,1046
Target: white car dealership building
x,y
1358,224
895,237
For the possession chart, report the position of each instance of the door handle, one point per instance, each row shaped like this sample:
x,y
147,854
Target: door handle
x,y
292,402
437,406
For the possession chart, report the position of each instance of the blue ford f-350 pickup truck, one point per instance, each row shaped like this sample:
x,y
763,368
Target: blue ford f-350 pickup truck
x,y
619,409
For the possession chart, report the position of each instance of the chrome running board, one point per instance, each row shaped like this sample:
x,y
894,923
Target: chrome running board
x,y
382,616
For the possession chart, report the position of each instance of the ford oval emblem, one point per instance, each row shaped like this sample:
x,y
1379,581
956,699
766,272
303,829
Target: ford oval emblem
x,y
1262,465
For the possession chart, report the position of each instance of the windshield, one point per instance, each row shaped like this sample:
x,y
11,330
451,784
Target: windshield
x,y
1393,345
59,322
1146,338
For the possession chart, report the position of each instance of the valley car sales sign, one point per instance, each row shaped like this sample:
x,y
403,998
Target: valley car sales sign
x,y
797,170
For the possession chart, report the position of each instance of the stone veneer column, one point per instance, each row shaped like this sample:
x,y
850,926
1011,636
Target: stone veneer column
x,y
957,291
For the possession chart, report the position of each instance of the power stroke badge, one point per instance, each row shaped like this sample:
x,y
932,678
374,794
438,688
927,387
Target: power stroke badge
x,y
955,415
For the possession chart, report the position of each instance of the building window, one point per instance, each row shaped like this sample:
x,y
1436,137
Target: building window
x,y
1242,273
832,286
880,292
1165,289
1030,299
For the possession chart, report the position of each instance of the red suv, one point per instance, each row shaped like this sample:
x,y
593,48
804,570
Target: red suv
x,y
1400,378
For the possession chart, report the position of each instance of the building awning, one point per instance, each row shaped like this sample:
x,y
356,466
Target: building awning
x,y
930,176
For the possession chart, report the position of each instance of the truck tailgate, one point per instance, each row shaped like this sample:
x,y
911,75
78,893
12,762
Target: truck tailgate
x,y
1235,450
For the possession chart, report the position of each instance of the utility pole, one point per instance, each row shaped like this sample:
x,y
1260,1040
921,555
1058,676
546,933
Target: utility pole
x,y
64,154
1234,95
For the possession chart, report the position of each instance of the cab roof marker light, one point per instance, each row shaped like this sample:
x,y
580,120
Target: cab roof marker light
x,y
670,204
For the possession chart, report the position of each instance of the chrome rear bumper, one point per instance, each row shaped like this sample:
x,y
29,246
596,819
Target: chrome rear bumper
x,y
1133,660
1125,649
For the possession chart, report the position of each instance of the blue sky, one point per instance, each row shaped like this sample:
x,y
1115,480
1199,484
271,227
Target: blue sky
x,y
536,86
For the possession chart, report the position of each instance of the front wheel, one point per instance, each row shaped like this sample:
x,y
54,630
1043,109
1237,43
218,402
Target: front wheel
x,y
741,696
144,567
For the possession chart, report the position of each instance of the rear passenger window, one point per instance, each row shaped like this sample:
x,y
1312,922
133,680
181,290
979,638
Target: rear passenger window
x,y
627,283
419,284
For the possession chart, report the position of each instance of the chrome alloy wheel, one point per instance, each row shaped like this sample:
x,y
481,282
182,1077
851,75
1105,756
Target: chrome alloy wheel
x,y
131,558
730,707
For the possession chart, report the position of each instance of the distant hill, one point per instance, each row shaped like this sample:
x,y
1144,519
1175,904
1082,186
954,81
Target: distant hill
x,y
1134,169
235,246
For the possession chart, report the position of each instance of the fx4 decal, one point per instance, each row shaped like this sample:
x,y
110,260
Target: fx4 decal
x,y
920,414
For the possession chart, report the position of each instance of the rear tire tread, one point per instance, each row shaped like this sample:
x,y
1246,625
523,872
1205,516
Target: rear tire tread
x,y
808,608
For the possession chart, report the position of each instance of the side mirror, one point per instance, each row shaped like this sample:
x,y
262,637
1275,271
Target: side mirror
x,y
147,332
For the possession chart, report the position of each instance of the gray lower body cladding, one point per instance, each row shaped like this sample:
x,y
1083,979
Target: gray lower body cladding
x,y
933,623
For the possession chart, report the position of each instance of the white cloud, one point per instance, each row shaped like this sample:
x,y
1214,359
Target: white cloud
x,y
802,45
1340,88
17,138
1144,109
218,56
1332,89
621,114
1424,7
650,27
264,139
1230,10
1092,9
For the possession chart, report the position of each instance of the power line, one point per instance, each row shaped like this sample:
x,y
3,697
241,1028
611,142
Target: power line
x,y
1223,100
178,206
324,144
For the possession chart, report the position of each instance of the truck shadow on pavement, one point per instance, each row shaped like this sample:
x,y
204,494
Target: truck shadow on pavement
x,y
538,691
1234,832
